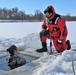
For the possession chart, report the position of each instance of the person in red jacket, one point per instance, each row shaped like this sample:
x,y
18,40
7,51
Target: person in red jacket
x,y
54,27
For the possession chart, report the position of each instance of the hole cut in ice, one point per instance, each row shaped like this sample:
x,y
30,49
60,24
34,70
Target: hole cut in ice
x,y
4,66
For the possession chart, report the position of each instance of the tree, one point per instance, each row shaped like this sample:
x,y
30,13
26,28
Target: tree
x,y
38,15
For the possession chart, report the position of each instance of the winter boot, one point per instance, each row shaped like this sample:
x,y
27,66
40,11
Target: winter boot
x,y
43,49
69,45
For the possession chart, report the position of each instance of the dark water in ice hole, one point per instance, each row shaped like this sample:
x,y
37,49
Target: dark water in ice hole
x,y
5,67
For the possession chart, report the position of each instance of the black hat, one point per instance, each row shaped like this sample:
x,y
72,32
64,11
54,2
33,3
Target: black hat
x,y
48,9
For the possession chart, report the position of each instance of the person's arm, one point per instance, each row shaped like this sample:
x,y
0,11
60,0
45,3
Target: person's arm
x,y
63,28
12,63
20,61
44,26
7,59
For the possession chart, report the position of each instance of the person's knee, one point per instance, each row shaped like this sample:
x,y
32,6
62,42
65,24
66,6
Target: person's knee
x,y
41,34
59,48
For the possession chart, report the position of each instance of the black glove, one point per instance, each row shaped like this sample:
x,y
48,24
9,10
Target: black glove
x,y
45,32
44,27
59,41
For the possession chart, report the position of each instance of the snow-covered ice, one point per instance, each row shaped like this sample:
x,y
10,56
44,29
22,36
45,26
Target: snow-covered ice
x,y
46,64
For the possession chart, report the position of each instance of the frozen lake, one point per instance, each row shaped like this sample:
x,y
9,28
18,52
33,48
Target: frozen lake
x,y
21,29
40,66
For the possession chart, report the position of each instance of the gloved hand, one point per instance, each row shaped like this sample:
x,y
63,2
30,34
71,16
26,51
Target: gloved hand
x,y
44,27
59,41
44,31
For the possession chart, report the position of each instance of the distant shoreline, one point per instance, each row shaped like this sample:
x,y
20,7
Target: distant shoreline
x,y
20,21
7,21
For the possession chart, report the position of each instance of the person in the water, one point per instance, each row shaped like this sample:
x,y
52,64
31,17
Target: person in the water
x,y
14,60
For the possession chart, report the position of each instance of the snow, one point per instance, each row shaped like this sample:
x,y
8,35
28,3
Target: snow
x,y
32,41
46,64
57,65
71,31
19,29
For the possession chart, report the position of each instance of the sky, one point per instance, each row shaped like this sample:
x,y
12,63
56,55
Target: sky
x,y
62,7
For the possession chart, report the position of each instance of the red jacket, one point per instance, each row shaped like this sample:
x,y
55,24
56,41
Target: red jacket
x,y
56,25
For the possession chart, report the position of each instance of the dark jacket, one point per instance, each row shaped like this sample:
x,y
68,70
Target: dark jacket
x,y
16,61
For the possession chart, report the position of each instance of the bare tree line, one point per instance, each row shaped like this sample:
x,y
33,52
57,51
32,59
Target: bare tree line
x,y
16,14
70,18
